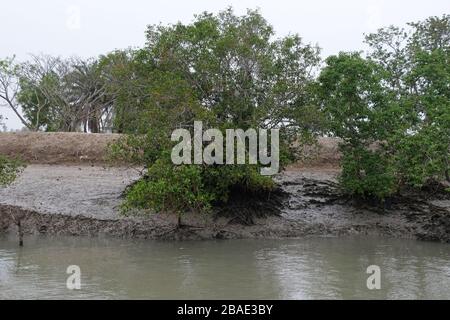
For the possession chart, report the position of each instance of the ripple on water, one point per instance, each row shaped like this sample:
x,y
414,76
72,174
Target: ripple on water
x,y
327,268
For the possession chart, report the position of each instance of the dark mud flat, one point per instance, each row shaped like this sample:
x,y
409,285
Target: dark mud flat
x,y
84,200
315,201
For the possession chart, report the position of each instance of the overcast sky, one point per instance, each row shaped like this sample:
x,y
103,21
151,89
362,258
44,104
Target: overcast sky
x,y
90,27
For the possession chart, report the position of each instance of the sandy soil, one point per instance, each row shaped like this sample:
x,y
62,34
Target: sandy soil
x,y
83,200
91,148
57,148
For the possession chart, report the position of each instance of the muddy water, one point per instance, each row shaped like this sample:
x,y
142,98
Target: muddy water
x,y
261,269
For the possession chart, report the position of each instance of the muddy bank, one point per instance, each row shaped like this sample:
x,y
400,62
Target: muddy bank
x,y
83,200
70,190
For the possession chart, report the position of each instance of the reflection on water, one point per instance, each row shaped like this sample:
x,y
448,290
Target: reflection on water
x,y
314,268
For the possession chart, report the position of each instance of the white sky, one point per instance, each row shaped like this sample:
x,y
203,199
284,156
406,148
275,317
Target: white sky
x,y
91,27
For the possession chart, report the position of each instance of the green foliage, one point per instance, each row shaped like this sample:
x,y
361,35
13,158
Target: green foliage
x,y
421,143
353,100
358,111
366,173
9,169
392,110
195,188
36,107
170,188
224,70
423,156
235,67
56,94
429,142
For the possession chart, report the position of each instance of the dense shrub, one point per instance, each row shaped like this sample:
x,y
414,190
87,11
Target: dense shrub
x,y
359,111
184,188
392,109
226,71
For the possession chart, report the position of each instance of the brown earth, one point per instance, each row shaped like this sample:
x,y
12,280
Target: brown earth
x,y
56,147
91,148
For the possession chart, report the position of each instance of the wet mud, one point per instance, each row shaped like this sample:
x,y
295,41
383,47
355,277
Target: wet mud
x,y
84,200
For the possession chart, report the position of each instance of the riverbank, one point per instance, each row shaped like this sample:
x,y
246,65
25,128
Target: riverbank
x,y
83,200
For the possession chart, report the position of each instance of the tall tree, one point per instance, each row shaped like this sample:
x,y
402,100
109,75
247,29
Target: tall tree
x,y
418,62
237,67
226,70
9,88
64,94
360,112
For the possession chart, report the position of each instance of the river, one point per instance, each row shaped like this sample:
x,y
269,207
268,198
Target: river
x,y
311,268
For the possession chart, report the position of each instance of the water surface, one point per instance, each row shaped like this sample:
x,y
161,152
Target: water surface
x,y
327,268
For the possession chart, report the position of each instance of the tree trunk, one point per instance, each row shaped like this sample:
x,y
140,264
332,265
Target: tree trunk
x,y
20,232
179,221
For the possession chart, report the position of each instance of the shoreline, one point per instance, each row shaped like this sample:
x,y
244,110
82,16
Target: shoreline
x,y
35,223
44,199
67,189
